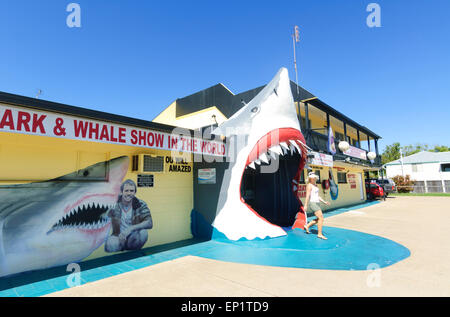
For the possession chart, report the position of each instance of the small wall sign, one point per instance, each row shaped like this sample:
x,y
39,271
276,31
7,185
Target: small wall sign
x,y
145,180
207,176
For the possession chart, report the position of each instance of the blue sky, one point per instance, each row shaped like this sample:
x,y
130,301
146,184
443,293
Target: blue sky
x,y
135,57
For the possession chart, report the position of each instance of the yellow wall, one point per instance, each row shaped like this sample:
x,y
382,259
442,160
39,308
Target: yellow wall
x,y
28,158
193,120
168,115
347,195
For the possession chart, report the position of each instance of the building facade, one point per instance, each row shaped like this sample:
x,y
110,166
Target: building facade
x,y
78,184
429,170
63,172
348,170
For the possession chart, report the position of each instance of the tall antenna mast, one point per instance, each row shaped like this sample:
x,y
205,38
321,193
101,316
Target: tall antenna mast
x,y
38,93
295,39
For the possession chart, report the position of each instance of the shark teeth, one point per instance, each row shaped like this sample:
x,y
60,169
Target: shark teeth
x,y
295,145
263,157
276,150
289,147
284,145
86,216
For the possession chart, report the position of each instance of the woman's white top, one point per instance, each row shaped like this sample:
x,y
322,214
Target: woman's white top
x,y
314,196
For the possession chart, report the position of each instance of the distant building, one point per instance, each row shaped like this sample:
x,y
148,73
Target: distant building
x,y
430,170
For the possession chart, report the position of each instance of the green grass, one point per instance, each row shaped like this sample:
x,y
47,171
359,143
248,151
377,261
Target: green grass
x,y
421,194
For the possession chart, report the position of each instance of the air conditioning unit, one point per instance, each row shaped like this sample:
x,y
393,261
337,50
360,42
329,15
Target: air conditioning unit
x,y
147,163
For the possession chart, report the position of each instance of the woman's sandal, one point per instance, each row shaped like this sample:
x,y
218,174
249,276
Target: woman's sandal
x,y
322,237
306,229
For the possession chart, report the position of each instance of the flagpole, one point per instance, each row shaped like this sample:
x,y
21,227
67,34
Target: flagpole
x,y
295,61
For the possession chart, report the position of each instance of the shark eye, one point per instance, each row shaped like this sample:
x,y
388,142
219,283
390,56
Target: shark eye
x,y
255,110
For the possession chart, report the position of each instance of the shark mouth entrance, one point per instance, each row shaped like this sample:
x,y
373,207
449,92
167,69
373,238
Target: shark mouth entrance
x,y
268,187
89,217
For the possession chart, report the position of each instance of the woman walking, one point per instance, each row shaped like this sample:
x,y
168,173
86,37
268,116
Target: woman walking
x,y
312,202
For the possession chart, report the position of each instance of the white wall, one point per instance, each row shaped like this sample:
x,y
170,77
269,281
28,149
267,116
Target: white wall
x,y
425,171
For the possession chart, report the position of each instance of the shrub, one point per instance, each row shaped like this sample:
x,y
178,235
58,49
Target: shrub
x,y
404,184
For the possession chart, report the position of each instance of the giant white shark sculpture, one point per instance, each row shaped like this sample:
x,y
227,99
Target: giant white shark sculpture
x,y
258,133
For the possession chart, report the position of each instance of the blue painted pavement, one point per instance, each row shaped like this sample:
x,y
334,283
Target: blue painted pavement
x,y
344,250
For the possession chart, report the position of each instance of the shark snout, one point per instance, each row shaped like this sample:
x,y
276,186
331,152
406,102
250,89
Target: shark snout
x,y
118,168
86,208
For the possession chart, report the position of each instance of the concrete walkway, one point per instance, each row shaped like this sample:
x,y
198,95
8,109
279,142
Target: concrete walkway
x,y
422,224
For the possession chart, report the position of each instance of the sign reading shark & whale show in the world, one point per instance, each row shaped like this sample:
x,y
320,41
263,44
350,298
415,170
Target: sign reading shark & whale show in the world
x,y
24,121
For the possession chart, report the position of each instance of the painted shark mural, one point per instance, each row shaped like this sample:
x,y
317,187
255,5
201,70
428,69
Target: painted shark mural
x,y
334,189
261,132
46,224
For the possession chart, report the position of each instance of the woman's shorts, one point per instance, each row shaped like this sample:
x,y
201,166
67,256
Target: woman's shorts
x,y
313,207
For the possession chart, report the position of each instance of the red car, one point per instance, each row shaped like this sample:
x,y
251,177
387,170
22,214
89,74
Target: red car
x,y
373,190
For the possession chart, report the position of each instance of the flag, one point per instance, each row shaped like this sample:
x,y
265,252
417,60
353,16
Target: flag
x,y
331,144
297,34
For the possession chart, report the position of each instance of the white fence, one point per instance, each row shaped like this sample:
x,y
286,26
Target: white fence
x,y
436,186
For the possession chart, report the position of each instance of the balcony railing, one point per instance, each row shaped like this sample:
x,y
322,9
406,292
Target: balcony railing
x,y
319,143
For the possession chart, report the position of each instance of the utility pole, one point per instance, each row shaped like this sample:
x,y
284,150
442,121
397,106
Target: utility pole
x,y
401,161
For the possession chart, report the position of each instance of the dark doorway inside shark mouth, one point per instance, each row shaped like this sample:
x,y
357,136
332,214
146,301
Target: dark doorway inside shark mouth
x,y
270,195
269,192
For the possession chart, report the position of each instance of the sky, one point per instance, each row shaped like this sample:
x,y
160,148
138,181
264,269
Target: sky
x,y
134,58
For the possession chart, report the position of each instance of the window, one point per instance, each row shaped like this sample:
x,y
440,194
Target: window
x,y
302,116
303,123
445,167
339,136
352,136
352,142
318,120
135,165
363,139
342,178
338,128
317,172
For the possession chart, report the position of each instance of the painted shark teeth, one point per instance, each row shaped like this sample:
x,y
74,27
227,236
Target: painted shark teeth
x,y
289,147
87,216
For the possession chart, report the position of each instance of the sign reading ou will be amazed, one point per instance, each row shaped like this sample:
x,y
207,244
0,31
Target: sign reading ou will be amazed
x,y
25,121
